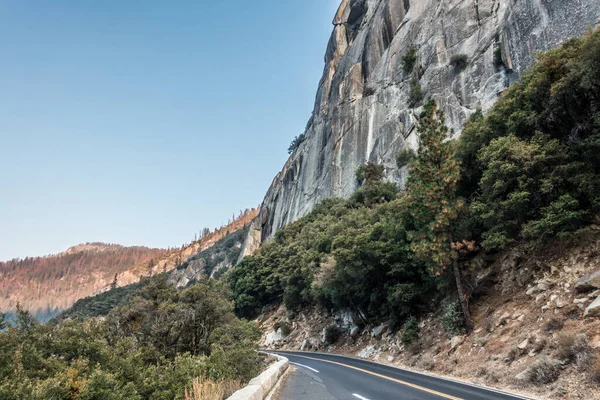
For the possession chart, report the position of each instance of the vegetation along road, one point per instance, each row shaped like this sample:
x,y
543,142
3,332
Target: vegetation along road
x,y
330,376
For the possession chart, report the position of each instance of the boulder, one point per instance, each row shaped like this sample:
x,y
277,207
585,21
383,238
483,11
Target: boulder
x,y
377,332
588,282
593,309
456,341
354,332
502,320
523,345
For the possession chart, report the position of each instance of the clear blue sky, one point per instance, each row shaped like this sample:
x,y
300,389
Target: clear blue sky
x,y
140,122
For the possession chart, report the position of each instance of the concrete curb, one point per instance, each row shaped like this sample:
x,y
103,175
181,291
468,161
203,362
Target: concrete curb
x,y
259,387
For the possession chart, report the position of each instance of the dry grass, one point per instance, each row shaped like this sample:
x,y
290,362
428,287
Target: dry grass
x,y
207,389
543,371
574,348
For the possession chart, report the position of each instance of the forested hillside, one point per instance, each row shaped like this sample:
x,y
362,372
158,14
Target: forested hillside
x,y
46,285
214,261
527,171
525,174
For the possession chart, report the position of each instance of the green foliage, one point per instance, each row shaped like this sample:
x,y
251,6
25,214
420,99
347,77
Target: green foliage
x,y
101,304
411,331
415,94
432,189
284,326
152,347
405,158
453,319
369,174
364,242
409,60
332,334
531,164
296,142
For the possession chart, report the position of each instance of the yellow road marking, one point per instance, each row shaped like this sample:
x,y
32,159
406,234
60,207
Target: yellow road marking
x,y
412,385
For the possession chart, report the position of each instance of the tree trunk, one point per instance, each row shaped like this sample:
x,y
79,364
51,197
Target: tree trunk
x,y
462,297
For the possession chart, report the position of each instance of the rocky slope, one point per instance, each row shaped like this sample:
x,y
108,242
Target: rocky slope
x,y
467,53
178,257
536,326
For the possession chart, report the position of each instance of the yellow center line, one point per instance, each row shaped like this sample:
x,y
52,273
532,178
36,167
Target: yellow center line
x,y
412,385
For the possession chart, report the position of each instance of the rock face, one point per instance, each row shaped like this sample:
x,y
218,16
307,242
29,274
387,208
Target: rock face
x,y
588,282
362,108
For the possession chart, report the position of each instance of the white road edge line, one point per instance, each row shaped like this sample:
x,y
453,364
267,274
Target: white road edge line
x,y
306,366
359,396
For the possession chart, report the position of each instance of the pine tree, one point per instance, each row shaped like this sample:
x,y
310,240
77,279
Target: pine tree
x,y
150,266
432,191
113,285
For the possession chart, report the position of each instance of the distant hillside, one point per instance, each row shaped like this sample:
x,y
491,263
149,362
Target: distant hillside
x,y
50,284
213,261
171,260
46,285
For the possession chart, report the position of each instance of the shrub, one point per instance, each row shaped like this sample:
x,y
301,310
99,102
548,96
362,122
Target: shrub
x,y
368,91
332,334
453,320
574,348
459,61
415,94
284,326
405,157
543,371
296,143
411,331
409,60
553,325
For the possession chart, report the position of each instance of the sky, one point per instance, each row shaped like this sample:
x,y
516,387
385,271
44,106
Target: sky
x,y
141,122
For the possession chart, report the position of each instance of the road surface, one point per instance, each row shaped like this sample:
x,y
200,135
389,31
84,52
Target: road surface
x,y
318,376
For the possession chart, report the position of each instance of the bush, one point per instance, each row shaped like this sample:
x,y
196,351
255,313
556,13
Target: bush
x,y
368,91
409,60
453,320
411,331
296,143
415,94
531,165
543,371
554,325
405,158
284,326
574,348
459,61
332,334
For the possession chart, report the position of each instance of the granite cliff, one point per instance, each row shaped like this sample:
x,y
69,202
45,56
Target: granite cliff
x,y
467,53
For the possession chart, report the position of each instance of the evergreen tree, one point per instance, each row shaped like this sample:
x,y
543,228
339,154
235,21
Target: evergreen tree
x,y
113,285
434,206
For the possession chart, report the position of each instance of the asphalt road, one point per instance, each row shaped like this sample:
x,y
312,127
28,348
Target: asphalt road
x,y
319,376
